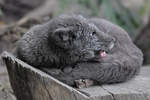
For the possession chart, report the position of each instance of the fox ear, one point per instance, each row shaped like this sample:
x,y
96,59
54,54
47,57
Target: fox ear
x,y
62,33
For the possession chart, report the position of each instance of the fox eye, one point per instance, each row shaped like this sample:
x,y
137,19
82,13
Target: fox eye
x,y
73,36
93,33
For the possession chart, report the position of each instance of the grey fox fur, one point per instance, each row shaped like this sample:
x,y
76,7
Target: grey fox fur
x,y
69,48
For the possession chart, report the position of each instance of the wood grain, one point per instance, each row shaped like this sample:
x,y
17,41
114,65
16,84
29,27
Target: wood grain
x,y
30,83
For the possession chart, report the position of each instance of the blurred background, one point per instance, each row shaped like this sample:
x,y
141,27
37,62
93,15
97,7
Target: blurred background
x,y
17,16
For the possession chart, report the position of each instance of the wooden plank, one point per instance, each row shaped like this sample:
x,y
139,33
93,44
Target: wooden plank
x,y
140,84
6,95
135,89
121,93
29,83
6,92
145,71
97,93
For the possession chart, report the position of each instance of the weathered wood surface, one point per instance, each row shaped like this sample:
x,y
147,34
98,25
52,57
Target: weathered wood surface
x,y
6,92
30,83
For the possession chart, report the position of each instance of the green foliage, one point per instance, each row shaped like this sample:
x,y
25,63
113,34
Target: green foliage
x,y
64,4
112,10
86,5
145,8
124,17
90,4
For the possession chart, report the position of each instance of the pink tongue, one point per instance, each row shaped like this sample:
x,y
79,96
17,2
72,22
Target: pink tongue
x,y
103,54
